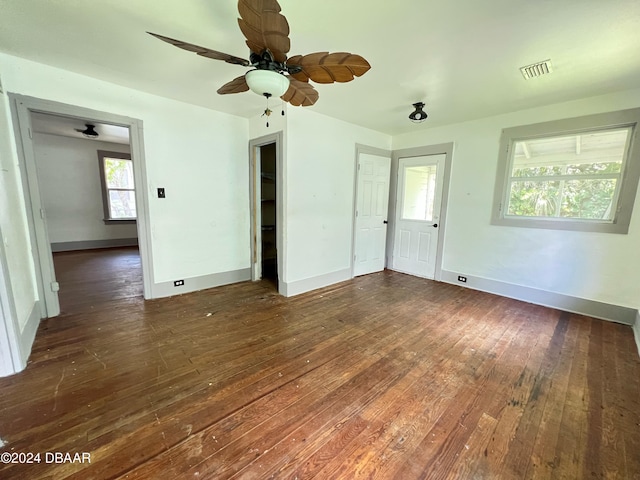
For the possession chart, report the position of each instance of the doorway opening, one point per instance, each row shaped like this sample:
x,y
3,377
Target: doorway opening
x,y
268,220
62,130
87,191
266,209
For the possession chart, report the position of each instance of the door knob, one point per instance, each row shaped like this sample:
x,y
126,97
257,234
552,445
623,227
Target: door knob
x,y
385,222
435,225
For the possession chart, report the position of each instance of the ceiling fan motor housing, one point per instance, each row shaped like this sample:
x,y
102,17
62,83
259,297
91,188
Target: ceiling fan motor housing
x,y
418,115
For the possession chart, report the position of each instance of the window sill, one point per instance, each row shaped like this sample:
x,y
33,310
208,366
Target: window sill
x,y
119,222
562,224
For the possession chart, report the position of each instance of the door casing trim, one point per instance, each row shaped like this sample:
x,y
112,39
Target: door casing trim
x,y
254,146
442,148
21,108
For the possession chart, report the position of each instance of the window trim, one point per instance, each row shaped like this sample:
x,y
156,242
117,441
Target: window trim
x,y
629,179
102,154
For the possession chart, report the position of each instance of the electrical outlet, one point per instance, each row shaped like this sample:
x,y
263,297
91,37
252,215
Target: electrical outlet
x,y
178,283
462,279
161,193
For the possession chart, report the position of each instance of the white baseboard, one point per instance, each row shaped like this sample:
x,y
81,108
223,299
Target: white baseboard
x,y
636,330
591,308
290,289
93,244
193,284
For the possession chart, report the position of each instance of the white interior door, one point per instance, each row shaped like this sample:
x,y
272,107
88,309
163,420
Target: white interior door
x,y
372,207
420,181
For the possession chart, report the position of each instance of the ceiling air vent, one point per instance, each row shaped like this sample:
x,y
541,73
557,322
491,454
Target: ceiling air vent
x,y
536,69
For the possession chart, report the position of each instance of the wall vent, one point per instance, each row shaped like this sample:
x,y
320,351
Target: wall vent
x,y
536,69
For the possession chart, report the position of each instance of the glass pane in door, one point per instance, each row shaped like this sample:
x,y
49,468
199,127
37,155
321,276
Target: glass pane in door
x,y
419,192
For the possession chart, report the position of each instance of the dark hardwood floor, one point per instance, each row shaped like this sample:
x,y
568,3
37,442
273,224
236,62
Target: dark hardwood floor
x,y
385,376
90,278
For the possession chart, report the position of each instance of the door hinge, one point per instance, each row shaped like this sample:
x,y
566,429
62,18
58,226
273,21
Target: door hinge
x,y
356,213
55,287
358,167
30,134
42,214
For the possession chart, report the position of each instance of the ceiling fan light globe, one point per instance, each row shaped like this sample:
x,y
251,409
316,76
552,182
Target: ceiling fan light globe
x,y
267,82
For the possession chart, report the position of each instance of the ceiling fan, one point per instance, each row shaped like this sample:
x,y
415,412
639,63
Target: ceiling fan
x,y
273,74
88,132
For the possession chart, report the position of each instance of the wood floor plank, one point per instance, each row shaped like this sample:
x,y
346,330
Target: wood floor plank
x,y
440,448
544,459
613,445
518,457
277,467
571,442
402,427
385,376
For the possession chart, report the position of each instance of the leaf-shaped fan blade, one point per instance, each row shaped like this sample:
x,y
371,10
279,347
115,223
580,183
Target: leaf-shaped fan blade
x,y
300,93
202,51
237,85
325,67
264,27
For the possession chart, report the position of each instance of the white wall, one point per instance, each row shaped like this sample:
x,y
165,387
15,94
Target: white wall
x,y
18,290
13,221
594,266
69,178
198,155
320,160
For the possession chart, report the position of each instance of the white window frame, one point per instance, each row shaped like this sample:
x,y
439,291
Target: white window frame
x,y
623,207
102,154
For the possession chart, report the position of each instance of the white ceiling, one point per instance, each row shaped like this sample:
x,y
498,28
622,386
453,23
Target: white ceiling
x,y
460,57
68,127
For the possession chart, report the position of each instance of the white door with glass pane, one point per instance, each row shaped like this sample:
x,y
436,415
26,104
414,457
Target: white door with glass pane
x,y
372,207
420,181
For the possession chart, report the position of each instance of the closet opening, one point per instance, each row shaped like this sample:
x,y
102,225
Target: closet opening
x,y
268,217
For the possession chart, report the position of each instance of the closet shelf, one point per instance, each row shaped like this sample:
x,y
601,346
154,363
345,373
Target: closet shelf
x,y
268,176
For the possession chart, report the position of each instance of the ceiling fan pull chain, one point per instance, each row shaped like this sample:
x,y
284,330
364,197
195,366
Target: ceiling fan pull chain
x,y
267,111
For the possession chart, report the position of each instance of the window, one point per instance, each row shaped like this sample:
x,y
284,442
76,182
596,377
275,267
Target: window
x,y
419,193
118,188
574,174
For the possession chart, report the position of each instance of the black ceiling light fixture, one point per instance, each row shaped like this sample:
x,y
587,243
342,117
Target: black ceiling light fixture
x,y
418,115
88,132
